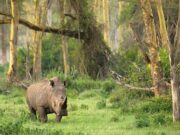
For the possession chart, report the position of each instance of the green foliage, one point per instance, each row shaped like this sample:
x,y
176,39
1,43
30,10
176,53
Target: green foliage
x,y
57,73
21,62
127,13
51,53
114,118
165,63
156,105
84,107
3,69
73,107
83,84
161,119
4,87
88,94
142,120
127,99
13,127
109,86
101,104
130,64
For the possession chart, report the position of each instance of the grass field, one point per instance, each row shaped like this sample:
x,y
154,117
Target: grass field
x,y
90,113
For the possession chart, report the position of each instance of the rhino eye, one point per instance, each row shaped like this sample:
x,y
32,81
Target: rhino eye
x,y
62,97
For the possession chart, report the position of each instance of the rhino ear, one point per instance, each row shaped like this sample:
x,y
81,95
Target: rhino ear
x,y
51,82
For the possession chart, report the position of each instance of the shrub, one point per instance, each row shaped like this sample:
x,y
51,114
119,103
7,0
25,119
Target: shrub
x,y
142,120
114,118
161,119
155,105
83,84
108,86
73,107
88,94
84,107
101,104
21,62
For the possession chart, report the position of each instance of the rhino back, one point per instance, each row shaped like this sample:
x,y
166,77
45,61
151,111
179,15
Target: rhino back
x,y
37,94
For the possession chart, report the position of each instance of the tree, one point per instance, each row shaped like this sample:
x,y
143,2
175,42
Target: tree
x,y
95,54
106,22
39,19
153,47
11,74
174,53
63,5
3,39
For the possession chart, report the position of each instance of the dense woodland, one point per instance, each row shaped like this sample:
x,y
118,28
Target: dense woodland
x,y
119,58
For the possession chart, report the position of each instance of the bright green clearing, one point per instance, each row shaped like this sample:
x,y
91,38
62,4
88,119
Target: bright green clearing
x,y
88,115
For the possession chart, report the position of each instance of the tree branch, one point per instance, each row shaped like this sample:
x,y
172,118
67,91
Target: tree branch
x,y
134,87
47,29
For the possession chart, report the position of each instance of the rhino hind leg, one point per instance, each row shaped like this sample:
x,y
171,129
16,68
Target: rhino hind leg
x,y
42,114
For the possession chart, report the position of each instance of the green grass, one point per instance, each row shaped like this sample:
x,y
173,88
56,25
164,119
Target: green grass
x,y
87,116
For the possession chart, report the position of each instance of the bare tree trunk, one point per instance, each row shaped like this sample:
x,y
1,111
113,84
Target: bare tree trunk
x,y
95,9
63,5
174,52
106,22
11,74
174,62
40,19
3,44
156,69
3,37
162,24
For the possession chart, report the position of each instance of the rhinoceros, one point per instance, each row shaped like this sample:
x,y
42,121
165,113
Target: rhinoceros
x,y
47,96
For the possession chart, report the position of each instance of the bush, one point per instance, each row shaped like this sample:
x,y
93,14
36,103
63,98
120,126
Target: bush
x,y
84,107
54,72
101,104
88,94
21,62
130,64
83,84
142,120
73,107
161,119
108,86
155,105
114,118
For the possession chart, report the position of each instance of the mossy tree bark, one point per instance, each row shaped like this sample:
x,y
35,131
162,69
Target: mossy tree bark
x,y
96,53
153,47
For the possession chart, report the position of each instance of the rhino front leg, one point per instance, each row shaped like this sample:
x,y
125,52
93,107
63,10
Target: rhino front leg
x,y
42,114
33,112
58,118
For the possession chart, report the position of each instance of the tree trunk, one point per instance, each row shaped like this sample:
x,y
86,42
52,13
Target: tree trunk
x,y
174,52
3,38
162,24
106,22
175,69
95,53
156,69
65,55
3,44
64,5
11,74
40,19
